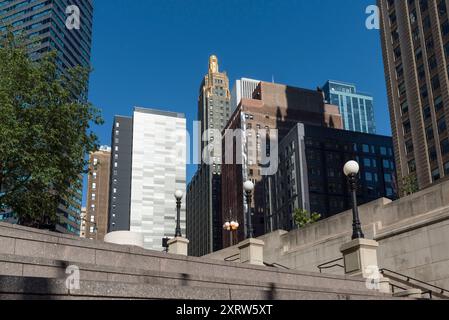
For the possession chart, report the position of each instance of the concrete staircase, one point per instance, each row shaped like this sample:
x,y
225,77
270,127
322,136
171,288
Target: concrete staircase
x,y
33,266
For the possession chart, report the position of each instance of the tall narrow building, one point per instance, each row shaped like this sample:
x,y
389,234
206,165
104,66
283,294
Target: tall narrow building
x,y
356,108
415,42
148,165
96,217
46,27
204,227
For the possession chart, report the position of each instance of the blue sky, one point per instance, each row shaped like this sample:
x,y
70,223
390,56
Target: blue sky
x,y
154,53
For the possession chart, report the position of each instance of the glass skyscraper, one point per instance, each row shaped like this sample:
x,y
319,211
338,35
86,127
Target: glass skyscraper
x,y
43,24
356,109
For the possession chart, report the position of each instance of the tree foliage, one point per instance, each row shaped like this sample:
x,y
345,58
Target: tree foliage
x,y
410,185
303,217
45,132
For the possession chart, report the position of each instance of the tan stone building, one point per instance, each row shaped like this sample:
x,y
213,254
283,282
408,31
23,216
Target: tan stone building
x,y
415,41
96,218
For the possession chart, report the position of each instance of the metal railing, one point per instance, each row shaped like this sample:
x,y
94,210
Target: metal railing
x,y
434,290
276,265
233,258
330,264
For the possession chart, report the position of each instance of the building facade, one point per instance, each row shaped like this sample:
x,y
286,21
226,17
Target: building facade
x,y
415,43
263,121
83,222
356,109
120,174
204,227
148,165
310,174
243,89
43,25
96,219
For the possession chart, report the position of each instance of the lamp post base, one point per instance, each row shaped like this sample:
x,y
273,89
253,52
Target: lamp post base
x,y
179,246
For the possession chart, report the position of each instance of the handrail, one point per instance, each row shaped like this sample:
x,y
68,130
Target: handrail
x,y
274,264
230,257
409,279
324,265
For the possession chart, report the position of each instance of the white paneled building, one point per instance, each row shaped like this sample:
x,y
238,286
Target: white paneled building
x,y
158,169
243,89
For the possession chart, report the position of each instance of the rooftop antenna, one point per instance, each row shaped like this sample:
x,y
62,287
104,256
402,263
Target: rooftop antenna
x,y
272,78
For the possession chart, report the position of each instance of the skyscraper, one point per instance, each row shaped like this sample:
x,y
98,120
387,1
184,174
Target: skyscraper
x,y
203,193
243,89
356,109
148,165
415,43
43,24
310,174
274,107
96,218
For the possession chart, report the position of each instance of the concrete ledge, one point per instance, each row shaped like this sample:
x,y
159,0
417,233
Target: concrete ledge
x,y
36,288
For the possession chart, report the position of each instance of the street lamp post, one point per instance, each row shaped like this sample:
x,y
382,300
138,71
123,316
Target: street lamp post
x,y
231,226
249,187
178,195
351,170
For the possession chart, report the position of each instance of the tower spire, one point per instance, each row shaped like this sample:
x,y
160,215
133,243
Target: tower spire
x,y
213,64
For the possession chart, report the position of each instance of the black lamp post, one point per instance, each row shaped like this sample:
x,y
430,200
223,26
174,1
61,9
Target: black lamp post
x,y
351,171
249,187
178,195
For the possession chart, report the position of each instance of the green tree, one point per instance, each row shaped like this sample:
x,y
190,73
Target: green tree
x,y
303,217
45,132
409,185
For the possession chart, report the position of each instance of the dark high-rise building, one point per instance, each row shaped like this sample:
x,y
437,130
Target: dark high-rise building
x,y
46,26
273,107
203,193
120,175
310,174
44,23
415,42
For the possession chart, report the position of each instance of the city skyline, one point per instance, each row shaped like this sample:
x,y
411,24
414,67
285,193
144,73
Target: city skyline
x,y
145,73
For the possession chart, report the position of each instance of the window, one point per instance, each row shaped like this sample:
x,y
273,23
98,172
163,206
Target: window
x,y
436,175
442,126
92,218
114,190
93,196
91,229
412,166
94,175
438,103
368,176
446,168
407,127
388,177
409,147
95,161
117,124
116,148
445,147
383,151
386,164
94,186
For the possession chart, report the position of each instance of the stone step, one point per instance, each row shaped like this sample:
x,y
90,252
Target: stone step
x,y
43,288
12,265
32,243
